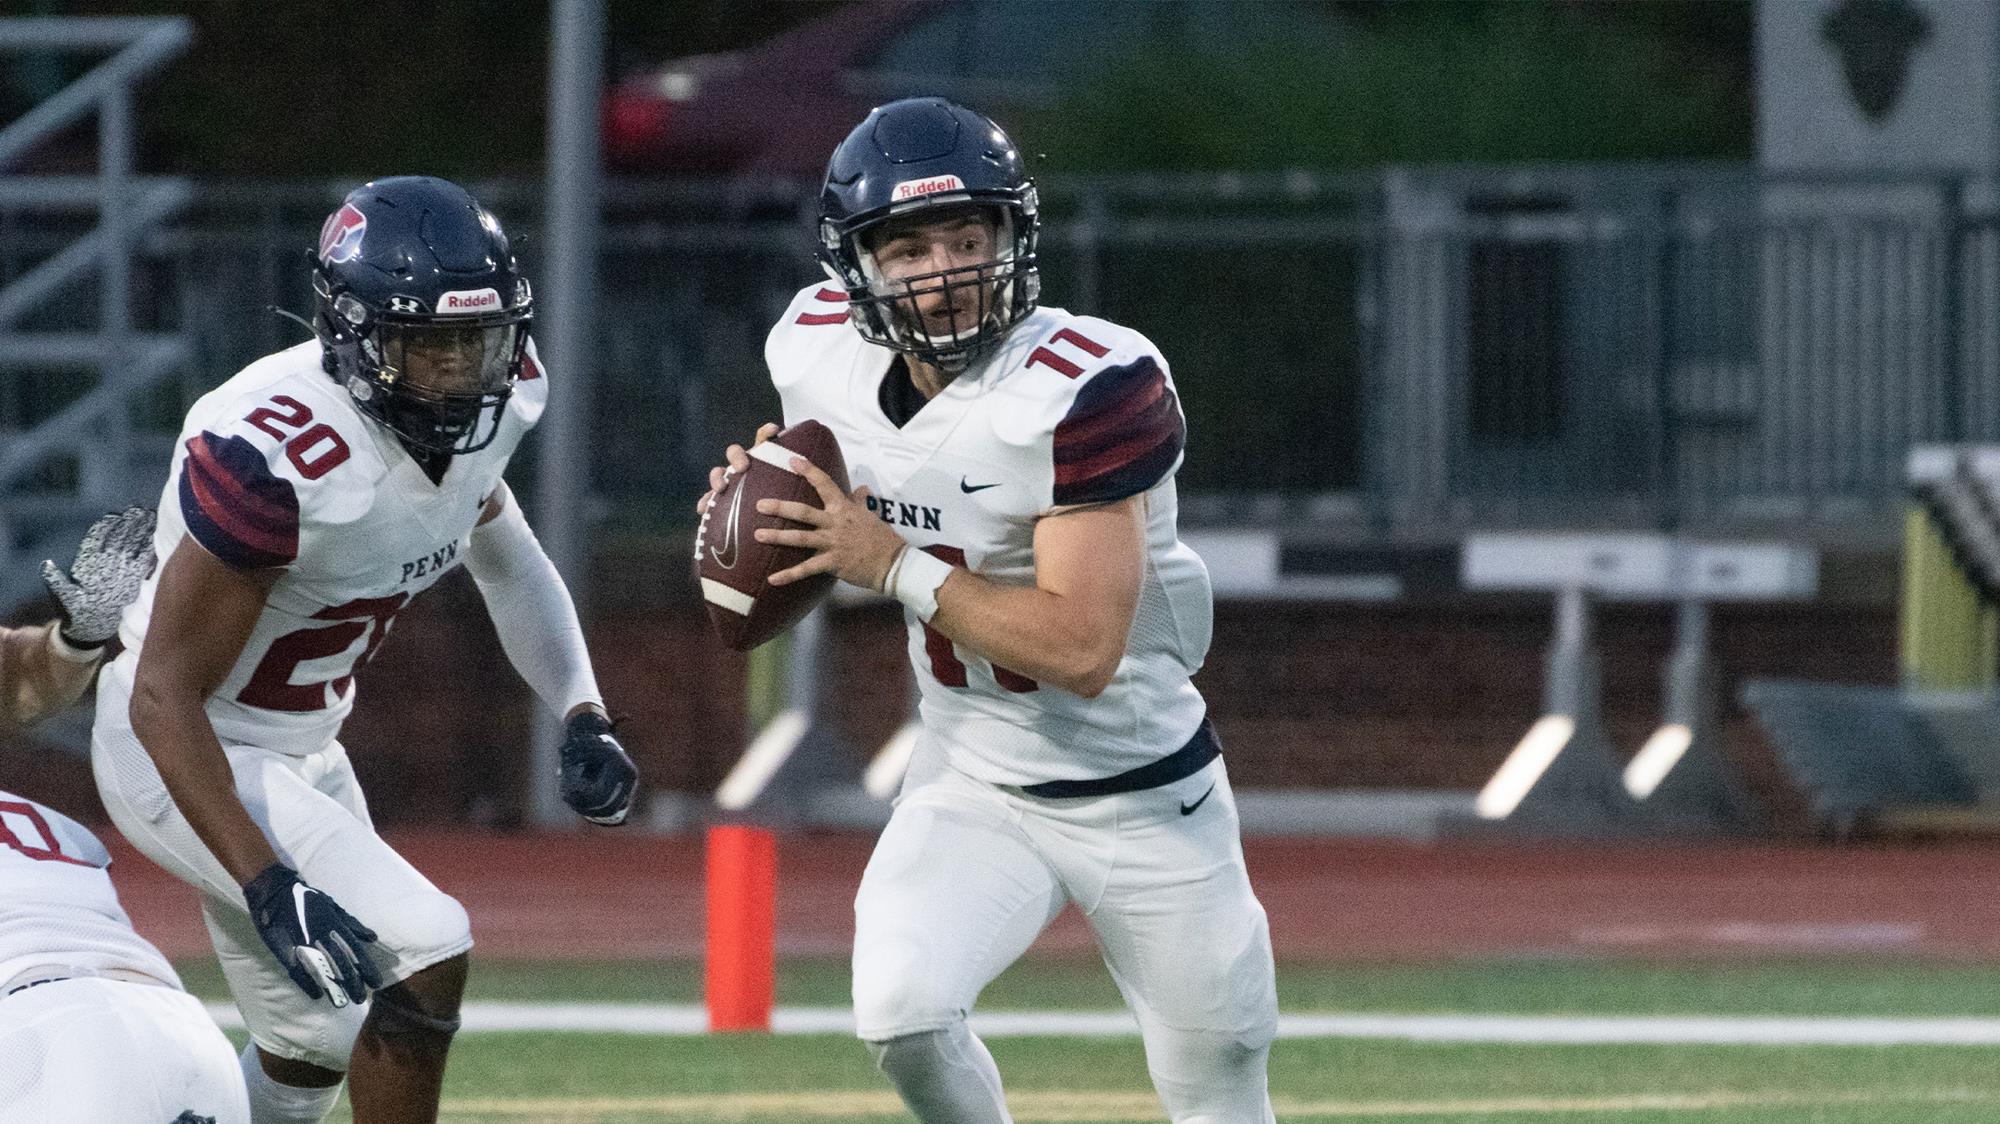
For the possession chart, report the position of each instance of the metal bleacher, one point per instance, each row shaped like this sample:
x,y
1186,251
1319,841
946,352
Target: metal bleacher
x,y
74,360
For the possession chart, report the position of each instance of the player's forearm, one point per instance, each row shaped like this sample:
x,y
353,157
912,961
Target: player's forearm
x,y
36,678
174,728
1039,634
533,612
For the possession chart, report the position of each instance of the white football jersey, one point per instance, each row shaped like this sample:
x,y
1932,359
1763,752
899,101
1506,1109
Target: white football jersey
x,y
1066,411
278,468
57,906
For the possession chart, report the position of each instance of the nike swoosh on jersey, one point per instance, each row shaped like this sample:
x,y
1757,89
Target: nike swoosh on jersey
x,y
969,488
1188,809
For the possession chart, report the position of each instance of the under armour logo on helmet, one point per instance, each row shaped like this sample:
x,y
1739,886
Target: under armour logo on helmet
x,y
405,304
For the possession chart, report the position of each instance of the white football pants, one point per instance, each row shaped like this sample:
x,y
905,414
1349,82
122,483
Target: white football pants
x,y
312,810
95,1051
967,874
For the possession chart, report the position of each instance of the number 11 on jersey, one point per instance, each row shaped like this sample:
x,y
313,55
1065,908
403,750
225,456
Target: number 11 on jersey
x,y
946,667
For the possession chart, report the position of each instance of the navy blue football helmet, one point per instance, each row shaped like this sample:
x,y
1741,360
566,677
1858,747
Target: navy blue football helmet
x,y
913,156
422,311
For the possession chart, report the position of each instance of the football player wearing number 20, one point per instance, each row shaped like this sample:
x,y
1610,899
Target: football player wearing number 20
x,y
311,497
1017,497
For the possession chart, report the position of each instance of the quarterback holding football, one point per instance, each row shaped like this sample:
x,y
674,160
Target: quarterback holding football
x,y
311,497
1016,493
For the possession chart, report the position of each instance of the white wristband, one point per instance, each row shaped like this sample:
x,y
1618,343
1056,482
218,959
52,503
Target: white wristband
x,y
70,653
916,580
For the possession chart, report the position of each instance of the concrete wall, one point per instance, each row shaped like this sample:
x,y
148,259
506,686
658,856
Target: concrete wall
x,y
1425,693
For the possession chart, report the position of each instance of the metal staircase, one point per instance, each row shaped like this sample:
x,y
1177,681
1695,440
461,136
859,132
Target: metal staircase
x,y
73,362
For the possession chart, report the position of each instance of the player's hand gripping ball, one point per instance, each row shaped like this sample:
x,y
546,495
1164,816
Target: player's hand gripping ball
x,y
734,569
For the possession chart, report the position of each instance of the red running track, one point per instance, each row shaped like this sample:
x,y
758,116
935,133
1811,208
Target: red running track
x,y
611,895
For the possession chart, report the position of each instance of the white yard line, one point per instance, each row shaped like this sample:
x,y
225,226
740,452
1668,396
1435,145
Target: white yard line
x,y
686,1019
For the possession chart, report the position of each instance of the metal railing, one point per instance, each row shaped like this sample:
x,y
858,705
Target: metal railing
x,y
1745,370
69,451
1400,354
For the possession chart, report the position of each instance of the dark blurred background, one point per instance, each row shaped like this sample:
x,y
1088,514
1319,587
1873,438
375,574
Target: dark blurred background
x,y
366,88
1422,270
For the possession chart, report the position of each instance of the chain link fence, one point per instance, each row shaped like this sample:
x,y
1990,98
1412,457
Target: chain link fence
x,y
1397,354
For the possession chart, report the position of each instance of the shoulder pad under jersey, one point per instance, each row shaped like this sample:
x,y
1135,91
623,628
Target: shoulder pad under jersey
x,y
1101,396
816,318
268,456
531,389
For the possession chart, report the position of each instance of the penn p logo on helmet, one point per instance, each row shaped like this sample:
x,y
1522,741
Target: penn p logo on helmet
x,y
340,236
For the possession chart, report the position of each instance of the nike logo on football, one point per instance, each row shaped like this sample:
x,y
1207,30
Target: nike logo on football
x,y
729,532
1188,809
969,488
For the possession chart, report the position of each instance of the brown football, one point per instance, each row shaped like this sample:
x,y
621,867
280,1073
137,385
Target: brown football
x,y
733,568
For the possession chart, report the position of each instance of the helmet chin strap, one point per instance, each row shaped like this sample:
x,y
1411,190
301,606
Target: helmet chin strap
x,y
435,461
292,316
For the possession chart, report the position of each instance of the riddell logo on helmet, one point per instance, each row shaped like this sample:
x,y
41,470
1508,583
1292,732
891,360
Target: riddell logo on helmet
x,y
910,189
467,301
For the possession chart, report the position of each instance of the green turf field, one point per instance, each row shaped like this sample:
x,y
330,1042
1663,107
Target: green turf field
x,y
1521,987
612,1078
622,1079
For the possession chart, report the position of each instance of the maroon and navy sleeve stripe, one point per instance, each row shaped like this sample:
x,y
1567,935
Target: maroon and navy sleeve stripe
x,y
235,506
1123,434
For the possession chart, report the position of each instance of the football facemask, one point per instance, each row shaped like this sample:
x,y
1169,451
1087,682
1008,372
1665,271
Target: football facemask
x,y
947,317
441,387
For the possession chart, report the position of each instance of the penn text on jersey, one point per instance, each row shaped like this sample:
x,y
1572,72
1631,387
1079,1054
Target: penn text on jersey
x,y
907,514
434,562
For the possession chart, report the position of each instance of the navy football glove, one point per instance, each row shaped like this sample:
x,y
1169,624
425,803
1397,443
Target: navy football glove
x,y
319,943
598,779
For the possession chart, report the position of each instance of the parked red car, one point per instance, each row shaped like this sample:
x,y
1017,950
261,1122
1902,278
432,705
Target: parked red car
x,y
779,107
